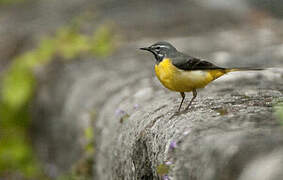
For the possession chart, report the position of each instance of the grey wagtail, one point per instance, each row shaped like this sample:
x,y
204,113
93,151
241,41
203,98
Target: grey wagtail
x,y
183,73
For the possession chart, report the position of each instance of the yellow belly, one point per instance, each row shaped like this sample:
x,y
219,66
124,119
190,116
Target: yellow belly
x,y
184,81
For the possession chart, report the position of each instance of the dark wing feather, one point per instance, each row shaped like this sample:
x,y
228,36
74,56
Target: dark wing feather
x,y
191,63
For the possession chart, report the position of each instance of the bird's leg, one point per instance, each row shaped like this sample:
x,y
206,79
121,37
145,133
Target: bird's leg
x,y
194,96
183,97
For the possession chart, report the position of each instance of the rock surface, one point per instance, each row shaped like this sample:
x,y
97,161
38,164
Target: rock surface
x,y
230,125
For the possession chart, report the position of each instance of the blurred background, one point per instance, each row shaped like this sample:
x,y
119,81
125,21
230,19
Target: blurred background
x,y
36,35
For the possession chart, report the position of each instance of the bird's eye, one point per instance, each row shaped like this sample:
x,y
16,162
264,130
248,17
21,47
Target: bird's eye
x,y
157,48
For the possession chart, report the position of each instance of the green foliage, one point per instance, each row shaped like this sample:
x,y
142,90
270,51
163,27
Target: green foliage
x,y
15,154
98,45
70,43
18,86
279,112
89,137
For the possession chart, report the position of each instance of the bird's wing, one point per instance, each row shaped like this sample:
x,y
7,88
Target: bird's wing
x,y
191,63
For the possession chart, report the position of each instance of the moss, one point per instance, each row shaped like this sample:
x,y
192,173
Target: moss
x,y
18,86
15,154
279,112
162,169
69,43
89,137
99,37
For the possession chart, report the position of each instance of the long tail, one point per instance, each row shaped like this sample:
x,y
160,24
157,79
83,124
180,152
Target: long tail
x,y
242,69
216,73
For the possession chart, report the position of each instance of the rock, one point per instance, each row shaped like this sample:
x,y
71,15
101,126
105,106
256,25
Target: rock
x,y
230,126
68,98
225,124
135,120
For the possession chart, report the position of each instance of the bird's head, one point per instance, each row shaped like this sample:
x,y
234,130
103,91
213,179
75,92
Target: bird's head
x,y
161,50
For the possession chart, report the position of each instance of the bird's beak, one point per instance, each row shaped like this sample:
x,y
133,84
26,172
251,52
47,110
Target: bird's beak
x,y
146,49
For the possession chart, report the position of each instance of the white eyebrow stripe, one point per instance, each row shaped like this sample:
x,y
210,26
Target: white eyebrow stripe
x,y
162,46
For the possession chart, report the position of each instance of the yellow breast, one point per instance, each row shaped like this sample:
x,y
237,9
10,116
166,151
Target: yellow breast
x,y
184,81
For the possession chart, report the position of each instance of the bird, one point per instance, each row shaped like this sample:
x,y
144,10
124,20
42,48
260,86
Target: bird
x,y
182,73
